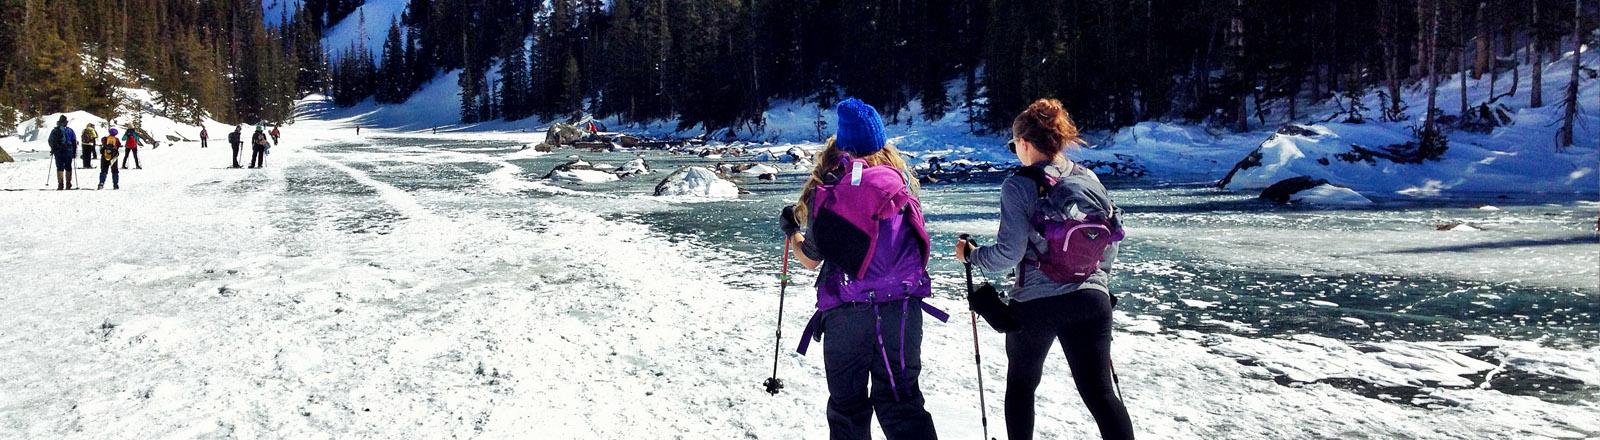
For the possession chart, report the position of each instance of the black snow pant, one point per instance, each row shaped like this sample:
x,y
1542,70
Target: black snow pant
x,y
133,154
203,142
258,156
88,156
1081,320
110,165
236,155
852,354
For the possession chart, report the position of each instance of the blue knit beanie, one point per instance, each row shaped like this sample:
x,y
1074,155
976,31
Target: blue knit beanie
x,y
860,128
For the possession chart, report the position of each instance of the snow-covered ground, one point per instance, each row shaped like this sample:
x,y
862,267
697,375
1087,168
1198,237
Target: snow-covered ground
x,y
411,285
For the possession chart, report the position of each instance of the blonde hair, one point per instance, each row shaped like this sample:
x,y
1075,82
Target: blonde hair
x,y
829,159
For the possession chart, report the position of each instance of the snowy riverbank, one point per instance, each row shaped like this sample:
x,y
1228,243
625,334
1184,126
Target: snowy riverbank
x,y
412,285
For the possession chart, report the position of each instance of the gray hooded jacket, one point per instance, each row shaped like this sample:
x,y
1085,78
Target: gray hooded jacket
x,y
1015,243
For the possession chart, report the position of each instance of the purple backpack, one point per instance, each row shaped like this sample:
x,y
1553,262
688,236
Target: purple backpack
x,y
1077,221
870,226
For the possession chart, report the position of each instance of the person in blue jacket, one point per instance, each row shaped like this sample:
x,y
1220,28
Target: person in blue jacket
x,y
63,147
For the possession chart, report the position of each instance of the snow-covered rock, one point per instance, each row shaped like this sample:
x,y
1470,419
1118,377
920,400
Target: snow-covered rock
x,y
634,167
1378,158
698,182
1457,227
753,170
583,176
580,171
1329,195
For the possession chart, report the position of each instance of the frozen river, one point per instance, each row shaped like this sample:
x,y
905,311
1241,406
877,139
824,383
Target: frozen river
x,y
435,286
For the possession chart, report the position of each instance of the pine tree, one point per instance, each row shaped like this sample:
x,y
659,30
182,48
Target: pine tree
x,y
393,73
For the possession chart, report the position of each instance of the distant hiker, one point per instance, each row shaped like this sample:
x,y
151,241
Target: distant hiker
x,y
204,135
1058,230
274,134
89,139
63,145
235,142
873,280
358,129
130,142
110,147
258,148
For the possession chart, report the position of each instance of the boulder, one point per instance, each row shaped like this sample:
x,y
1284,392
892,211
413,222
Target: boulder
x,y
752,169
696,182
5,157
579,171
562,134
1309,191
1282,191
634,167
1456,227
583,176
1329,195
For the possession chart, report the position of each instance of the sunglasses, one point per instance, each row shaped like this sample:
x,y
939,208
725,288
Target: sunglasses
x,y
1012,146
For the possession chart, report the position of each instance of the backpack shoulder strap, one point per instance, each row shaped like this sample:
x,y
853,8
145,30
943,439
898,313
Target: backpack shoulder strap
x,y
1041,182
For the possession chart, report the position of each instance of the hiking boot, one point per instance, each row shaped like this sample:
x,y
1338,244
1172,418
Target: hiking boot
x,y
102,186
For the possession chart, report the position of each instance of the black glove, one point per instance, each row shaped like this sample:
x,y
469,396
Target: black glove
x,y
985,301
787,223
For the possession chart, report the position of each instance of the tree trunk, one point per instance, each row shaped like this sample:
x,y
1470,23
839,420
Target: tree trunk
x,y
1483,45
1564,137
1391,62
1536,83
1516,71
1430,60
1461,65
1292,96
1461,61
1494,58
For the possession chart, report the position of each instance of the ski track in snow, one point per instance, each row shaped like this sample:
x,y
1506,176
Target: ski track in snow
x,y
313,299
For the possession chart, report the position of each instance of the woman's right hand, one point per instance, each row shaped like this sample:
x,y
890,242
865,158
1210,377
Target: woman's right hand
x,y
787,222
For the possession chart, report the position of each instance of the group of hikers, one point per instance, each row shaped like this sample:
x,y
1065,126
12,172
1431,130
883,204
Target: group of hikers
x,y
65,144
259,145
858,218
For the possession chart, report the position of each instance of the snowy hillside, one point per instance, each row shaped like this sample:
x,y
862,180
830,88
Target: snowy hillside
x,y
274,11
31,133
378,15
1520,157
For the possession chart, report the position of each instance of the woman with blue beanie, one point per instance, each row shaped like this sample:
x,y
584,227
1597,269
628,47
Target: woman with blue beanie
x,y
862,224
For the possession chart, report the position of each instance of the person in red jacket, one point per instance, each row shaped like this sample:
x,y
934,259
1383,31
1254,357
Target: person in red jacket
x,y
130,142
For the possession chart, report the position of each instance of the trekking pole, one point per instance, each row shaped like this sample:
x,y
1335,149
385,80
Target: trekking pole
x,y
977,355
773,384
1115,380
